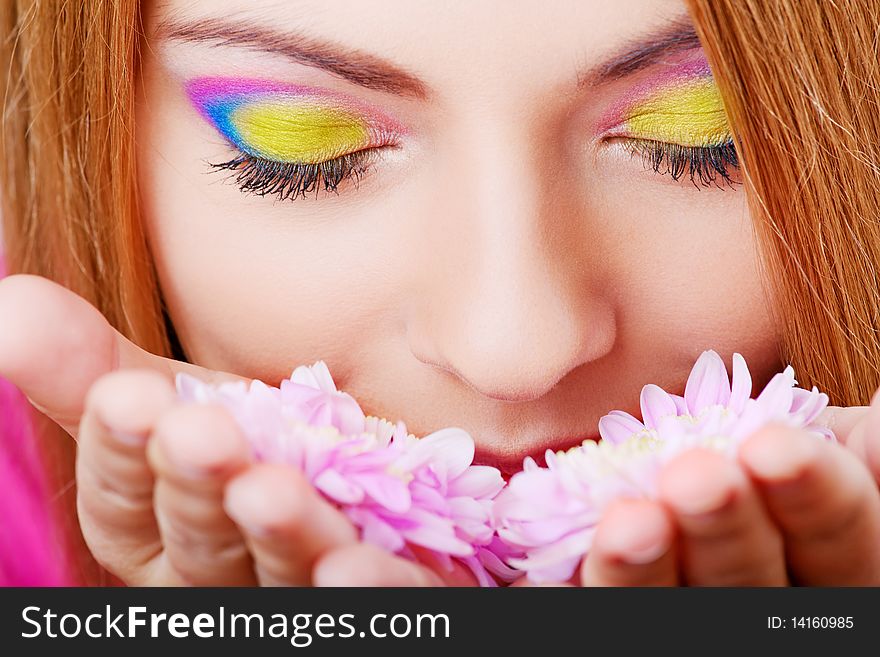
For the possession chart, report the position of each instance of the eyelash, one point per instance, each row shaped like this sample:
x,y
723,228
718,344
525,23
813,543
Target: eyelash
x,y
705,164
292,180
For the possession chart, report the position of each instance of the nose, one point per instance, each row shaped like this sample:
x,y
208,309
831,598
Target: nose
x,y
507,303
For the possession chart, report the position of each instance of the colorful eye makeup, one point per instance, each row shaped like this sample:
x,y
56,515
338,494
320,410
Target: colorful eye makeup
x,y
676,122
690,114
681,106
294,140
287,123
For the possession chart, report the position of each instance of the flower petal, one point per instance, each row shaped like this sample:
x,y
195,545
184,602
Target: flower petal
x,y
618,427
742,385
707,384
436,535
376,531
338,488
478,481
316,376
807,405
558,561
776,398
655,403
387,490
681,407
449,452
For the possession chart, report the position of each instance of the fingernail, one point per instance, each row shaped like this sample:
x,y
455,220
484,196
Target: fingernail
x,y
635,545
699,493
781,459
127,438
644,555
705,504
239,518
255,531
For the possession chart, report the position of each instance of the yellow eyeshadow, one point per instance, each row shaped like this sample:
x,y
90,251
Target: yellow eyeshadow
x,y
689,115
302,133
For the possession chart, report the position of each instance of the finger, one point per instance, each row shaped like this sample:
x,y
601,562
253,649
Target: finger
x,y
634,545
864,435
286,523
842,420
114,480
195,451
362,564
453,573
45,324
726,537
526,582
825,502
870,442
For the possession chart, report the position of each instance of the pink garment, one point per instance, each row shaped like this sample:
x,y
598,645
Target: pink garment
x,y
30,554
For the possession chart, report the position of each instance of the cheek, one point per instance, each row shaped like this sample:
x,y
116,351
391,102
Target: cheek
x,y
257,289
689,278
254,286
257,300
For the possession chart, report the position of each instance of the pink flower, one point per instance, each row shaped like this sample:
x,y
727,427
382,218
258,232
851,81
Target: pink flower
x,y
548,515
405,493
399,491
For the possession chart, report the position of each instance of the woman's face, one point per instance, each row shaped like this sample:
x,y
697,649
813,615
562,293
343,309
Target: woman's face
x,y
506,249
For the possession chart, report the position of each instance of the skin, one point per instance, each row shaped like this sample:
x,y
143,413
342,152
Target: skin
x,y
511,299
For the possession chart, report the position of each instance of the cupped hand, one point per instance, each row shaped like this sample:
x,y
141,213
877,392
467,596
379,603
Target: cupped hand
x,y
790,510
167,492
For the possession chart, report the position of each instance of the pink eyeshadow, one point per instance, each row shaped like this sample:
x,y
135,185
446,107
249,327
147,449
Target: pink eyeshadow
x,y
695,67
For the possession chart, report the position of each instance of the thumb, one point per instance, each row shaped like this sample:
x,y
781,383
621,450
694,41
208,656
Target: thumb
x,y
861,432
844,421
54,345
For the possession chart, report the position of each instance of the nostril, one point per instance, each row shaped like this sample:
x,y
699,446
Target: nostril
x,y
514,366
513,395
498,385
513,331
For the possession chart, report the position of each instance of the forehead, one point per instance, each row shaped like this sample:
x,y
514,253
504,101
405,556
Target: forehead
x,y
467,45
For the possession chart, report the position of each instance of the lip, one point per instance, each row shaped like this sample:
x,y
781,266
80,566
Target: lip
x,y
509,463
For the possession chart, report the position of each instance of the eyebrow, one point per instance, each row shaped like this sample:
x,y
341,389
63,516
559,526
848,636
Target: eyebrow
x,y
372,72
676,37
361,68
